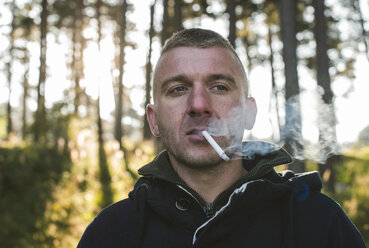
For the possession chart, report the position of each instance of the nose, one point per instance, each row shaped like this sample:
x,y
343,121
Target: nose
x,y
199,102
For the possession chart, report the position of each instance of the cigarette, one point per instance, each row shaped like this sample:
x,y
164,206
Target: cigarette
x,y
215,145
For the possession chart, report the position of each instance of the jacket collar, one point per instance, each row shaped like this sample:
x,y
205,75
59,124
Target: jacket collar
x,y
259,158
161,168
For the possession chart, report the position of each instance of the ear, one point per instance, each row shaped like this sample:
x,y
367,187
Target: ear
x,y
251,111
151,118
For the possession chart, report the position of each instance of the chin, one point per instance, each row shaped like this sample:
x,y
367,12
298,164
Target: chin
x,y
203,161
204,165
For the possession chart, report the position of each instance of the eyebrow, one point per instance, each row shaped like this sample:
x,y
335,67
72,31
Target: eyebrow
x,y
226,77
178,78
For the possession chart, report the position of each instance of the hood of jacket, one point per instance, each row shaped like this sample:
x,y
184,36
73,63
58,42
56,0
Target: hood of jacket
x,y
160,187
259,159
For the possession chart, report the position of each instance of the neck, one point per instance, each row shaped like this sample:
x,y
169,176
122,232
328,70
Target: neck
x,y
209,183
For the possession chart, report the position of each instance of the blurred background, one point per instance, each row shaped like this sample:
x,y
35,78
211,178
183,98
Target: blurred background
x,y
75,78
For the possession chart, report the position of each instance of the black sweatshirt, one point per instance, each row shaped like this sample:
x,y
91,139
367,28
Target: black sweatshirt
x,y
263,209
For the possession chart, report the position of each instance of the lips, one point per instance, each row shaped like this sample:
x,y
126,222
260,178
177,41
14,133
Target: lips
x,y
194,135
195,131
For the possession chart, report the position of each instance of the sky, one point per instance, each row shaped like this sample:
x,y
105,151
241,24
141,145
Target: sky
x,y
351,107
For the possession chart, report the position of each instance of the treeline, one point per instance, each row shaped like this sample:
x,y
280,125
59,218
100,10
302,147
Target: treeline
x,y
267,33
281,36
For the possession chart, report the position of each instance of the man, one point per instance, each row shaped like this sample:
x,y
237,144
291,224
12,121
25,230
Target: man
x,y
188,196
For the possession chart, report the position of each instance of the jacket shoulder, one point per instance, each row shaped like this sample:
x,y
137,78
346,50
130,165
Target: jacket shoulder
x,y
110,226
326,222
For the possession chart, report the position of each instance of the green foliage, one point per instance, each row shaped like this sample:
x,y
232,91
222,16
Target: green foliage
x,y
2,127
352,188
27,179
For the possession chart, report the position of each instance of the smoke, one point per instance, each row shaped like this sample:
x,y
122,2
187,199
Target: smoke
x,y
230,128
291,132
233,122
291,138
325,121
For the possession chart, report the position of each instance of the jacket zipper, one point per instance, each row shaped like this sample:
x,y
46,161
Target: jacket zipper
x,y
209,210
207,207
236,191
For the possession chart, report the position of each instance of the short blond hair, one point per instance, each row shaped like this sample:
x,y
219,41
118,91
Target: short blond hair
x,y
200,38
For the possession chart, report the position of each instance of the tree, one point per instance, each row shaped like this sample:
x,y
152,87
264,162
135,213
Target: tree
x,y
105,177
25,29
122,44
119,132
292,128
177,20
70,17
271,11
25,96
146,130
275,91
78,48
231,6
165,23
9,128
40,120
327,118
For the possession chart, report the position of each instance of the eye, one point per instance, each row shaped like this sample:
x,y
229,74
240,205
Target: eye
x,y
220,88
178,90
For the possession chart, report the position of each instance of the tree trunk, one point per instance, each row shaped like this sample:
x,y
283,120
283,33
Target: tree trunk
x,y
9,128
165,33
327,118
119,107
40,120
247,49
165,23
292,132
119,132
25,95
232,21
177,15
77,64
105,177
146,131
83,95
274,88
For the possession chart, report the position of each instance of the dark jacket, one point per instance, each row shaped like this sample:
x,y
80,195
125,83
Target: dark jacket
x,y
263,209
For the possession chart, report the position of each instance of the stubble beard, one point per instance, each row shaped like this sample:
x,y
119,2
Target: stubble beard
x,y
183,153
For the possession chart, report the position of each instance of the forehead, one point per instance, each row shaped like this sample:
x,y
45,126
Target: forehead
x,y
192,61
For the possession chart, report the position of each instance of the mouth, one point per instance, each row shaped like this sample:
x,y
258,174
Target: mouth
x,y
195,134
195,131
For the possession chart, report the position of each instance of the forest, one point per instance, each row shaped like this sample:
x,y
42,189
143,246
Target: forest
x,y
75,77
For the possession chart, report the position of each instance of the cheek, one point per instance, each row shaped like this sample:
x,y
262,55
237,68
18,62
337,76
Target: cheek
x,y
170,117
230,106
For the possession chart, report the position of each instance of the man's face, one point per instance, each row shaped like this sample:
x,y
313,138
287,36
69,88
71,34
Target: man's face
x,y
196,89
